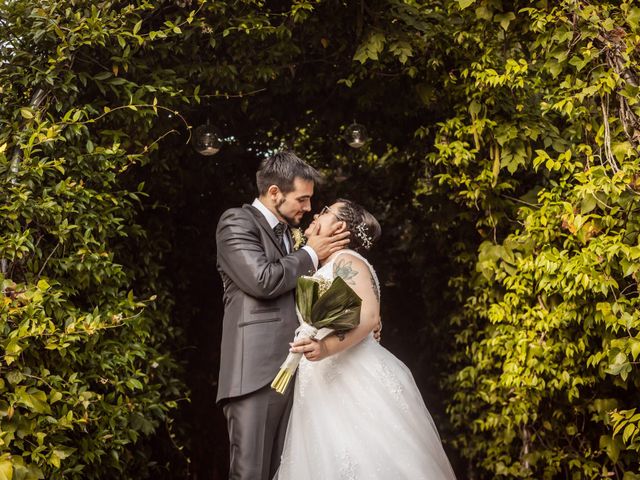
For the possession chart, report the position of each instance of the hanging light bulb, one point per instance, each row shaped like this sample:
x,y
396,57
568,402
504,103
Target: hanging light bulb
x,y
207,139
356,135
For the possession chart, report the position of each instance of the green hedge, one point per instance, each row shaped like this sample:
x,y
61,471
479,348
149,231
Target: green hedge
x,y
519,120
85,332
543,152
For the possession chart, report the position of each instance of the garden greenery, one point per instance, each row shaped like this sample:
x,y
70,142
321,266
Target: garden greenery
x,y
543,148
505,135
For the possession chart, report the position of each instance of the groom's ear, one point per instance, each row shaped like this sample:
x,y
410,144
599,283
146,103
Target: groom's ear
x,y
273,191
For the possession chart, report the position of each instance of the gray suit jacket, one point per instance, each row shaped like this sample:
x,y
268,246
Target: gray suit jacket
x,y
259,305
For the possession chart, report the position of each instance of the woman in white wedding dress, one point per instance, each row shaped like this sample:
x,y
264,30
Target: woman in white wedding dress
x,y
357,413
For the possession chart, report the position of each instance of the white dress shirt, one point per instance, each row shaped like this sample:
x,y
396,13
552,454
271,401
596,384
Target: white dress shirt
x,y
272,220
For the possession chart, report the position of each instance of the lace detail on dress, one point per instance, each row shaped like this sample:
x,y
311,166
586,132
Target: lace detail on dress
x,y
330,369
393,384
303,377
347,466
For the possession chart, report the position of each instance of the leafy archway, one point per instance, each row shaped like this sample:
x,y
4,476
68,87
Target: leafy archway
x,y
503,166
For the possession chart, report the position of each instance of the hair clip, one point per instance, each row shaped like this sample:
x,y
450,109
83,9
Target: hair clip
x,y
361,234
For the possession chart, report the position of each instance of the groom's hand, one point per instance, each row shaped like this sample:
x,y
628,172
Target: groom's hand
x,y
326,243
377,332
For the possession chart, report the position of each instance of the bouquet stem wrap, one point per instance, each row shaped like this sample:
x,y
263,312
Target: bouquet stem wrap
x,y
337,308
290,365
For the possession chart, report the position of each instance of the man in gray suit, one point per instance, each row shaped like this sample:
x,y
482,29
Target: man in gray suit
x,y
259,270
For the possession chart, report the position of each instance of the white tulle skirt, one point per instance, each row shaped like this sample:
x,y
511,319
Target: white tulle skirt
x,y
358,415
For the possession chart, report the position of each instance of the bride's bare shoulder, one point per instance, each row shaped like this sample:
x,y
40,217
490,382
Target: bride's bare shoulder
x,y
349,265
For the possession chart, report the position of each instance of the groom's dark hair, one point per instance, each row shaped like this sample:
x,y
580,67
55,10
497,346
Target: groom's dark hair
x,y
281,169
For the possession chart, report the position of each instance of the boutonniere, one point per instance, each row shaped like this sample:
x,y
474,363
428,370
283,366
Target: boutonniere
x,y
299,240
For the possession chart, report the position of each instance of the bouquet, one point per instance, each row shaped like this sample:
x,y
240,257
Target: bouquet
x,y
323,307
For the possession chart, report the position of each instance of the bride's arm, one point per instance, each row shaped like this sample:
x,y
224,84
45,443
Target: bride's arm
x,y
358,276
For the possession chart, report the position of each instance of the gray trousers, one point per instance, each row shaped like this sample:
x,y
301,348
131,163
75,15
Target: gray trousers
x,y
257,424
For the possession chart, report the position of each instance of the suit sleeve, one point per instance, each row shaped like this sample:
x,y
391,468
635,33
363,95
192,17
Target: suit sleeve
x,y
241,255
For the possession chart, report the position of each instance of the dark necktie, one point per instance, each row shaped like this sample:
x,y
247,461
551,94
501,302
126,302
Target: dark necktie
x,y
280,230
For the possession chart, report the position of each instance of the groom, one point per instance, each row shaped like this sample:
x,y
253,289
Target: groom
x,y
259,270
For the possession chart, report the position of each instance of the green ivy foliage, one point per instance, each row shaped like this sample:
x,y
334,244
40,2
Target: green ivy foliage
x,y
543,150
505,134
85,370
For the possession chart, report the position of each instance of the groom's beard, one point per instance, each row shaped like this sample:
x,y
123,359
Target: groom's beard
x,y
291,221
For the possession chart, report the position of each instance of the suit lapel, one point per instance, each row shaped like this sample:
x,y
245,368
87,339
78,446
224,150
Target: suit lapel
x,y
290,237
265,226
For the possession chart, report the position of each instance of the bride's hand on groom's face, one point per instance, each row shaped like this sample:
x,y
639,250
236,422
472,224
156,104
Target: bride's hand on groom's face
x,y
327,241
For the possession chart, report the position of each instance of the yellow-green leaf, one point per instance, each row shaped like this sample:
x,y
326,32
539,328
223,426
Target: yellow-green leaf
x,y
505,19
6,469
628,432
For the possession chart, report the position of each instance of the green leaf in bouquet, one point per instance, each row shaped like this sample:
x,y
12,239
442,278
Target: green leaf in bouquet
x,y
338,308
306,296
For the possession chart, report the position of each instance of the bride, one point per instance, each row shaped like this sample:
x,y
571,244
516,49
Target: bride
x,y
357,413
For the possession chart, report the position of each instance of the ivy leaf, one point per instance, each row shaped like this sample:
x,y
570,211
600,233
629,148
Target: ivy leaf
x,y
102,75
629,431
33,399
635,348
588,204
465,3
633,18
60,453
611,446
484,13
504,19
402,50
6,468
495,170
134,384
371,48
628,267
474,108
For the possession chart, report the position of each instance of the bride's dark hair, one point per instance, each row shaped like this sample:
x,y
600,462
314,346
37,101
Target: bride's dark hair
x,y
365,229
